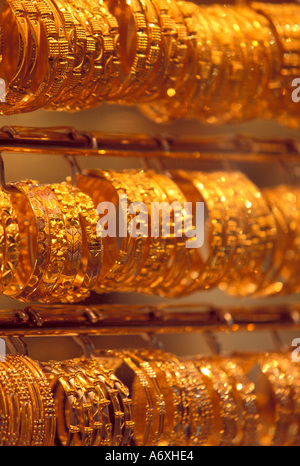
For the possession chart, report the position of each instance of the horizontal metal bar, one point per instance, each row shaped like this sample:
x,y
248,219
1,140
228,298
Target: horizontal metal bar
x,y
69,141
128,319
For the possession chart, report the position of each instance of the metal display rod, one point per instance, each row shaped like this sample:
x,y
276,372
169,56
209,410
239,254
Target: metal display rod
x,y
69,141
38,320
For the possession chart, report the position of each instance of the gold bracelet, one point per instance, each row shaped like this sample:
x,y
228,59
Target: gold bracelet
x,y
256,240
14,20
115,256
10,236
67,403
119,395
210,265
57,247
133,56
34,228
52,75
244,393
141,394
273,400
225,412
201,406
26,433
175,407
106,29
44,392
11,408
178,258
64,285
92,243
174,51
141,358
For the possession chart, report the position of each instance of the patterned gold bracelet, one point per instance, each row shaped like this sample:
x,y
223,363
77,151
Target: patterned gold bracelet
x,y
225,411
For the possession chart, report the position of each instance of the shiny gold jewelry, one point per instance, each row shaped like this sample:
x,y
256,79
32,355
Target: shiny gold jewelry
x,y
141,394
273,400
106,29
15,63
244,393
224,428
73,236
210,262
133,53
174,267
119,394
153,54
34,229
116,255
51,76
256,239
67,403
10,424
175,387
10,240
47,400
201,406
90,269
157,428
57,246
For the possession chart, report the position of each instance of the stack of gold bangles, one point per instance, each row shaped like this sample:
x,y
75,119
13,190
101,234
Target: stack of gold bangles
x,y
218,63
114,233
150,397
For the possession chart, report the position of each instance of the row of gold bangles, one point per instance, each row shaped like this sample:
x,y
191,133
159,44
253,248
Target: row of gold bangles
x,y
149,397
219,63
60,242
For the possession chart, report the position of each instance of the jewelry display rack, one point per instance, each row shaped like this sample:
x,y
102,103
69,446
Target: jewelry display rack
x,y
180,400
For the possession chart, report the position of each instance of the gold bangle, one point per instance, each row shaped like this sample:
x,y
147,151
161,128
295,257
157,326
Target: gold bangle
x,y
92,244
47,400
201,406
244,393
64,285
141,394
225,417
136,251
175,407
77,40
289,368
34,228
65,398
15,73
282,271
115,256
176,263
11,246
142,360
118,393
11,413
143,83
174,51
38,418
274,407
26,434
57,247
255,241
132,56
148,272
106,29
92,66
208,268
